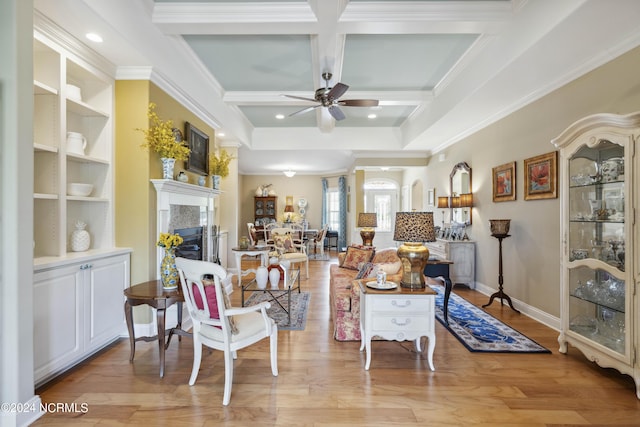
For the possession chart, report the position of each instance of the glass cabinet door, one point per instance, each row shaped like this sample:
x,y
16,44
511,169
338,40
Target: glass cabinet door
x,y
596,244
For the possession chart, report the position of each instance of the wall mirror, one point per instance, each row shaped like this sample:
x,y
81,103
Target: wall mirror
x,y
460,184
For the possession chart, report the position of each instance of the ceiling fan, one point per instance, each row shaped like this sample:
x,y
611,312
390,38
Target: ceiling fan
x,y
329,97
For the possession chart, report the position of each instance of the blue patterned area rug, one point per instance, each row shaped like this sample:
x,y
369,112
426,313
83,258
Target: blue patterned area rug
x,y
299,306
479,331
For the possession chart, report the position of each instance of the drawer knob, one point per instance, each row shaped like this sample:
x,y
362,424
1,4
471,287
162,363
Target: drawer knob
x,y
400,323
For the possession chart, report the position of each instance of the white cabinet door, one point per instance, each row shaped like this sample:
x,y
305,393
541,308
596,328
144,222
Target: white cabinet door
x,y
105,282
78,308
57,318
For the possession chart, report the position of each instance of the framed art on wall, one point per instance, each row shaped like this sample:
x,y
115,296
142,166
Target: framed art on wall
x,y
198,142
431,197
504,182
541,177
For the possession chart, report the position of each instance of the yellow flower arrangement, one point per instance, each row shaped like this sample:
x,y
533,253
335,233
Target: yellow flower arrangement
x,y
161,138
169,241
219,165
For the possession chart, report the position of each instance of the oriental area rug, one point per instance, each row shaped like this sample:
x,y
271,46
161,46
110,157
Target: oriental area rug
x,y
479,331
299,307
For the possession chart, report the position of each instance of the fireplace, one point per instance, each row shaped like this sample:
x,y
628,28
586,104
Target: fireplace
x,y
193,243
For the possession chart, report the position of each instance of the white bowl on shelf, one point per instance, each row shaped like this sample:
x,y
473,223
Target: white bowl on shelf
x,y
79,189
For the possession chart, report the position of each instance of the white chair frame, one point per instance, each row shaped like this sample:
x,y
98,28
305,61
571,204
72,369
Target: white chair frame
x,y
253,323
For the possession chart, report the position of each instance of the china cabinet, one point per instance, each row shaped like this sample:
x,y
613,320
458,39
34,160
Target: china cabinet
x,y
265,210
598,176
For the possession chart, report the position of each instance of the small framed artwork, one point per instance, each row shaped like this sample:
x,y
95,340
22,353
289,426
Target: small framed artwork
x,y
504,182
541,177
198,142
431,197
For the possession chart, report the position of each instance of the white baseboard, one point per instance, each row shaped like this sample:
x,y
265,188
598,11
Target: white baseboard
x,y
530,311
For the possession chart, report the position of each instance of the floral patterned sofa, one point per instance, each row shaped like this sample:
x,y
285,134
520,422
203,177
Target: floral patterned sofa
x,y
358,262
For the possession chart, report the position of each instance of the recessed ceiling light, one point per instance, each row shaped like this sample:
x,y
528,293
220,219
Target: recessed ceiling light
x,y
94,37
220,133
384,168
372,116
279,116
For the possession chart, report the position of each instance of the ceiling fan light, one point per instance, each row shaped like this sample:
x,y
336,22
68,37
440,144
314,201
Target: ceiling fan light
x,y
289,173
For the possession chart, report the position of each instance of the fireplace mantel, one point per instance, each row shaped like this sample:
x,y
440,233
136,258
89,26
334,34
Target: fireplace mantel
x,y
170,192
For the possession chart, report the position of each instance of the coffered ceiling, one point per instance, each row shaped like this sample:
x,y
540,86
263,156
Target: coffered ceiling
x,y
441,70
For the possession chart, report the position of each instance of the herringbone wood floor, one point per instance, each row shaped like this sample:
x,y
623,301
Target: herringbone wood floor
x,y
322,382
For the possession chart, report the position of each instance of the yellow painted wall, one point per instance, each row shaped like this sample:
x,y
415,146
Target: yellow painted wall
x,y
135,196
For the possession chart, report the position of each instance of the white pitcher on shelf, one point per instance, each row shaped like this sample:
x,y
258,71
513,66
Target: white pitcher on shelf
x,y
76,143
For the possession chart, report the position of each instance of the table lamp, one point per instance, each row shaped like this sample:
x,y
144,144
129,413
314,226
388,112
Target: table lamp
x,y
368,221
288,208
443,203
413,228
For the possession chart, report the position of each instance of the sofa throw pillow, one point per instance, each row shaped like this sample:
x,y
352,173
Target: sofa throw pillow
x,y
356,255
212,302
283,243
365,270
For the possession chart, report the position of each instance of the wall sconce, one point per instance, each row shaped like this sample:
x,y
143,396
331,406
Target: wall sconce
x,y
413,228
368,221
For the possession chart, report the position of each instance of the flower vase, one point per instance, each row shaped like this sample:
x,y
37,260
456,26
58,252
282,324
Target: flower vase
x,y
274,277
168,271
167,167
262,277
215,182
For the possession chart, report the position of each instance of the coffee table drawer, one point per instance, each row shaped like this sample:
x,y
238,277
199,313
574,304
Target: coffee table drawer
x,y
399,322
400,304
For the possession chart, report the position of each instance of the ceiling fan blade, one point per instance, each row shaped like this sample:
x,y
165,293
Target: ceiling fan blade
x,y
336,112
359,102
337,91
299,97
304,110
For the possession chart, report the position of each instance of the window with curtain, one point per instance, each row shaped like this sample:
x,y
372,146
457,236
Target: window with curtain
x,y
332,199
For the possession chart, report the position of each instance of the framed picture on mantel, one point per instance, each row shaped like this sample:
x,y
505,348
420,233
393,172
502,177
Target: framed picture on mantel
x,y
198,142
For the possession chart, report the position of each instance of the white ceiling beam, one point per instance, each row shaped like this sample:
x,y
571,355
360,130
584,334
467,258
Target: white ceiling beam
x,y
271,98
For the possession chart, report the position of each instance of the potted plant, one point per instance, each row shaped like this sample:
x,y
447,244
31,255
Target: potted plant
x,y
219,166
161,138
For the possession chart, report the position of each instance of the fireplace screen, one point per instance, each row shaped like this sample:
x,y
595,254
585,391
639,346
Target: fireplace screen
x,y
192,245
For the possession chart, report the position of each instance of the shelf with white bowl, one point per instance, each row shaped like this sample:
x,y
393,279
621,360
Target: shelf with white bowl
x,y
72,93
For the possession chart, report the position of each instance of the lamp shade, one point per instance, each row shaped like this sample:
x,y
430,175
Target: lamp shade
x,y
443,202
455,202
288,208
466,200
414,227
367,220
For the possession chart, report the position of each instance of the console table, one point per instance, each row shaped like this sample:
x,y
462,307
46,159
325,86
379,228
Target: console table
x,y
399,314
463,255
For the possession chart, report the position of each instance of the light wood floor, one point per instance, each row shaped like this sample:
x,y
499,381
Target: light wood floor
x,y
322,382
